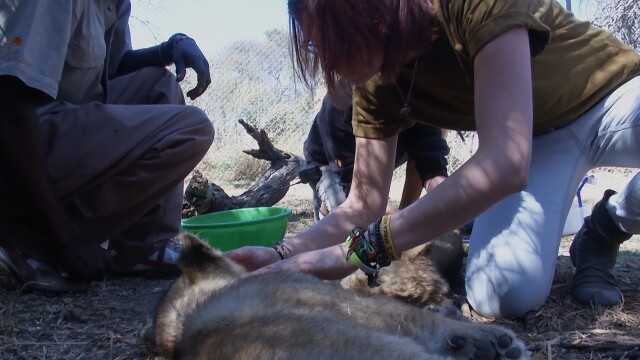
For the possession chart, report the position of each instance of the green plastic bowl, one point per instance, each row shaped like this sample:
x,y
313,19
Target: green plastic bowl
x,y
231,229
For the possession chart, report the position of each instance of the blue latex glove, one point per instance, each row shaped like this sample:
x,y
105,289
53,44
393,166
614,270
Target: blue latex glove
x,y
186,54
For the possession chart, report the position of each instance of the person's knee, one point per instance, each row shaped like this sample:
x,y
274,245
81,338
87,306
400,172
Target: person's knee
x,y
200,126
187,135
494,300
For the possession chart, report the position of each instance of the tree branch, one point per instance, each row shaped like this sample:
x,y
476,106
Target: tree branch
x,y
202,196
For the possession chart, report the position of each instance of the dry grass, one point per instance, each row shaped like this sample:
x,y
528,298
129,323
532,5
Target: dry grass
x,y
104,323
107,321
564,330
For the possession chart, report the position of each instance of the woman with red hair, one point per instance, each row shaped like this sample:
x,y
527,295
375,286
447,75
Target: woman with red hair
x,y
550,97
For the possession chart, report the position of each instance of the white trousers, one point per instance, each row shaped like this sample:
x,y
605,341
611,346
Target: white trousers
x,y
514,245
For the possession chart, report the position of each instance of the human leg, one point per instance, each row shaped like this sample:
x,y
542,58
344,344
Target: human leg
x,y
616,216
594,252
514,244
114,165
124,161
149,235
149,86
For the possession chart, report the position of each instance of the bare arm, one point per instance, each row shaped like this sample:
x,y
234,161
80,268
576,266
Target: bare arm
x,y
367,200
412,185
504,117
427,151
433,182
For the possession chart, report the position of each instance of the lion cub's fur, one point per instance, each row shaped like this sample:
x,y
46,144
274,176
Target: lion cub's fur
x,y
216,310
422,276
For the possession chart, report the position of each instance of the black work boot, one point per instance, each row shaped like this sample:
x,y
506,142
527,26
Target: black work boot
x,y
593,253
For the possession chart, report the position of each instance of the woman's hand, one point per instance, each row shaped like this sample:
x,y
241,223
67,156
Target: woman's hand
x,y
253,257
329,263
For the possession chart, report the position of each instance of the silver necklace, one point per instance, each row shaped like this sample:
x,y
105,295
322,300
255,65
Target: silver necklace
x,y
406,109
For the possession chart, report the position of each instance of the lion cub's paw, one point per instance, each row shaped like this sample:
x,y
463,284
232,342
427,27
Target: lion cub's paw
x,y
487,342
504,347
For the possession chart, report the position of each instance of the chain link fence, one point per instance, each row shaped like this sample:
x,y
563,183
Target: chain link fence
x,y
622,18
252,79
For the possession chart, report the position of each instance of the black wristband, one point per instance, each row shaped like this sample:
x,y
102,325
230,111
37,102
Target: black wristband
x,y
279,253
283,250
165,52
376,240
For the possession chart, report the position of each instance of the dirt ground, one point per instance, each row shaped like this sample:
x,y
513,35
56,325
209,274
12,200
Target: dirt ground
x,y
107,321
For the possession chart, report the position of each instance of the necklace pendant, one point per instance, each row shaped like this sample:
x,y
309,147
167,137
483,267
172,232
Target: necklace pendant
x,y
406,109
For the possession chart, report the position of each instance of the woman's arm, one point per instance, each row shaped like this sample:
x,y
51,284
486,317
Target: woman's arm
x,y
504,118
413,186
367,200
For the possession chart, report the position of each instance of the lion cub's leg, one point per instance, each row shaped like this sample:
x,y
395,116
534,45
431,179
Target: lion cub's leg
x,y
441,331
446,253
451,334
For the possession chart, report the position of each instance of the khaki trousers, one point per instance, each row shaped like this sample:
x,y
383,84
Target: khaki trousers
x,y
118,167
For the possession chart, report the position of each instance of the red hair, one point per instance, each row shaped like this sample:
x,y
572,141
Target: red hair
x,y
345,31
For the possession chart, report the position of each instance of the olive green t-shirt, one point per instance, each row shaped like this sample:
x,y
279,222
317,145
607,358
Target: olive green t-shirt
x,y
574,65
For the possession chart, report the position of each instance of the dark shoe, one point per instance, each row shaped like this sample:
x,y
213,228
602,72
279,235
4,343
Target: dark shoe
x,y
34,275
593,253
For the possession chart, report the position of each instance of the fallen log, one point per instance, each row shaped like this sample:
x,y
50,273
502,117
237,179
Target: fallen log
x,y
203,196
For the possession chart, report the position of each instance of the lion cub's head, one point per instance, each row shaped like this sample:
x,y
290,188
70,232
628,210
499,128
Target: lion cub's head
x,y
204,271
199,262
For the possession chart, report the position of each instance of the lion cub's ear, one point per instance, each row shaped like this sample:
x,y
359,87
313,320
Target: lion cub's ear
x,y
199,261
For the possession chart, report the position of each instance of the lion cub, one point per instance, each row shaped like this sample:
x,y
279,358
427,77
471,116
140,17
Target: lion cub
x,y
216,310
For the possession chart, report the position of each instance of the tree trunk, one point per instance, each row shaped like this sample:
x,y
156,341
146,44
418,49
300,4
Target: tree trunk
x,y
202,196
